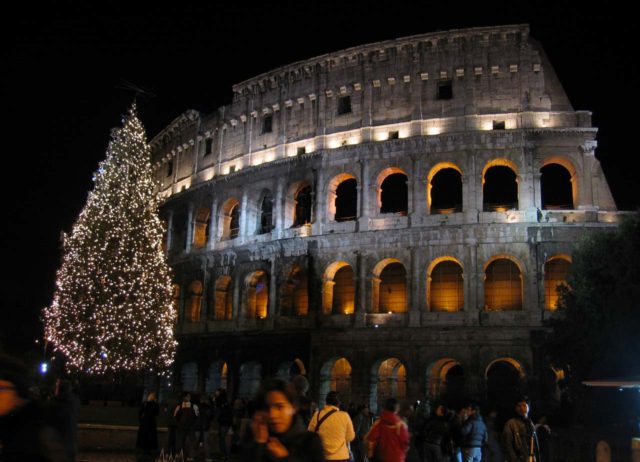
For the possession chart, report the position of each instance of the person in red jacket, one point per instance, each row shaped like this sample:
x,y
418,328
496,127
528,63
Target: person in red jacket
x,y
388,439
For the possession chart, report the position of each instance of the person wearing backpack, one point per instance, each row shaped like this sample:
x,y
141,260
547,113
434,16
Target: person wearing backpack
x,y
335,429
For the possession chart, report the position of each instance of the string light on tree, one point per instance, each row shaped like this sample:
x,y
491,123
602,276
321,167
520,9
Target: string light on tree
x,y
112,307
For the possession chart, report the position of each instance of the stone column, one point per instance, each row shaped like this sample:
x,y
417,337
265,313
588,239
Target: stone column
x,y
363,220
243,216
278,209
367,96
190,218
417,193
415,307
361,292
274,310
473,283
471,190
169,236
585,194
213,224
416,96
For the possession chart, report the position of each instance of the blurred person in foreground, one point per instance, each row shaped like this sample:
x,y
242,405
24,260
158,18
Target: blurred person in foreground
x,y
388,439
277,433
24,435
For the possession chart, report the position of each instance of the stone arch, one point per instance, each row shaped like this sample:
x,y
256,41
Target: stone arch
x,y
250,375
256,285
194,304
223,299
338,289
265,212
445,377
445,284
342,197
388,380
201,228
294,293
217,376
556,272
335,375
552,183
230,219
189,377
499,186
503,284
298,203
389,287
504,382
393,191
444,189
287,370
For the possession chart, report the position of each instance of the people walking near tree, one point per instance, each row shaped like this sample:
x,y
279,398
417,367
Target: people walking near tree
x,y
186,415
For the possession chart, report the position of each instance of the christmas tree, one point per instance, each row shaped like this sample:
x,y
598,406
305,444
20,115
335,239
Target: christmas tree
x,y
112,308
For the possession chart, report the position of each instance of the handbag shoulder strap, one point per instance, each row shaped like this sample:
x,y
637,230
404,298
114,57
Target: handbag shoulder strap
x,y
324,417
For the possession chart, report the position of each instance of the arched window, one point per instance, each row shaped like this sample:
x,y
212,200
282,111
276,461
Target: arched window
x,y
201,229
195,301
556,187
295,296
266,214
389,380
445,191
250,377
394,195
503,286
189,376
446,287
445,381
556,272
504,383
230,219
389,287
302,213
346,200
223,299
257,295
338,290
500,189
217,377
335,375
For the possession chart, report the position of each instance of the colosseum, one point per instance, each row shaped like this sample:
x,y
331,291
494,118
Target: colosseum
x,y
392,219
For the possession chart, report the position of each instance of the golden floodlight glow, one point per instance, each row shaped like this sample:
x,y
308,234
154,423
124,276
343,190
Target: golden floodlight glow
x,y
433,130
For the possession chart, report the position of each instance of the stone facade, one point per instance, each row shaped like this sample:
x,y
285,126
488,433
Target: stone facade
x,y
275,275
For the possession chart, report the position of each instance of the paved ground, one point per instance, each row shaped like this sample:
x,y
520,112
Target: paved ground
x,y
130,457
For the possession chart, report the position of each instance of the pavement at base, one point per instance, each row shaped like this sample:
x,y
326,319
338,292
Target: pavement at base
x,y
124,457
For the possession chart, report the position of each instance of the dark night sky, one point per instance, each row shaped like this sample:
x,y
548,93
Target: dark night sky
x,y
63,64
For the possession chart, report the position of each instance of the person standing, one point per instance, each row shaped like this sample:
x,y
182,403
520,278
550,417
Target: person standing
x,y
186,415
147,440
225,420
473,435
66,406
204,426
361,426
518,436
388,439
437,433
335,429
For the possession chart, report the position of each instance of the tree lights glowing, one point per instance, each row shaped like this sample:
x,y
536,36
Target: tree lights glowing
x,y
112,308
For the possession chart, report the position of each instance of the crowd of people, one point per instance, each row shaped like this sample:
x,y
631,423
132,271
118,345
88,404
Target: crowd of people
x,y
282,423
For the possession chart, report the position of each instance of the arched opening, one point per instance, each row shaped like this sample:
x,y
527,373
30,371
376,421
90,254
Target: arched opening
x,y
346,200
175,300
290,369
189,377
445,288
335,375
230,218
217,376
179,232
295,295
195,301
556,187
445,190
223,299
499,187
388,380
257,295
504,384
394,194
445,381
338,289
556,272
502,286
266,214
389,287
250,379
201,228
302,212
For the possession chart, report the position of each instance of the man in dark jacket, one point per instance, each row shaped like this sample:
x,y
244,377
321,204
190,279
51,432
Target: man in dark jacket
x,y
437,432
518,436
66,407
473,435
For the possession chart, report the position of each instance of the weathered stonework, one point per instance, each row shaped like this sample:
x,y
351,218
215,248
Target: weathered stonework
x,y
284,131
